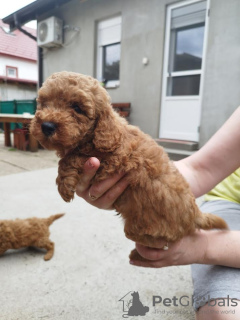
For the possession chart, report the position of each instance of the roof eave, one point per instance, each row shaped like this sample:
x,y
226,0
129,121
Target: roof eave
x,y
17,80
31,12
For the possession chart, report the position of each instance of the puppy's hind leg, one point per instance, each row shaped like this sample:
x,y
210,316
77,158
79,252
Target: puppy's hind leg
x,y
45,243
50,251
144,238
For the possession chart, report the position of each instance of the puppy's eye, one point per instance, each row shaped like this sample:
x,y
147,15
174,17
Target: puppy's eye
x,y
77,109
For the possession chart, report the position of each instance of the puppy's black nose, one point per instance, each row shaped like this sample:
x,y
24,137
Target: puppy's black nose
x,y
48,128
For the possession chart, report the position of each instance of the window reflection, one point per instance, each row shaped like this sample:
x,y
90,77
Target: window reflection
x,y
184,86
189,48
111,61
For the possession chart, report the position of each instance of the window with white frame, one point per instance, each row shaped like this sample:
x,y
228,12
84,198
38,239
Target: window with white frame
x,y
186,49
109,51
11,72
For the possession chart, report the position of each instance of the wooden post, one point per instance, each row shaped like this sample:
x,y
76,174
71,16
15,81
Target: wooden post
x,y
33,144
7,137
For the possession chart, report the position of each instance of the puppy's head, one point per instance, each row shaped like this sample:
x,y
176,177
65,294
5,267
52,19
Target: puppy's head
x,y
71,109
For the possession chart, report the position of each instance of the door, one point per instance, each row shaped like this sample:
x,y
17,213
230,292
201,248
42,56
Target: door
x,y
183,70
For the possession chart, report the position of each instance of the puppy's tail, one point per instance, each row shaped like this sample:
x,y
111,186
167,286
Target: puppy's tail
x,y
209,221
51,219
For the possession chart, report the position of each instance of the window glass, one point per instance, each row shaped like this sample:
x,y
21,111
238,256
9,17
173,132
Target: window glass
x,y
11,72
109,51
189,48
111,62
184,86
186,42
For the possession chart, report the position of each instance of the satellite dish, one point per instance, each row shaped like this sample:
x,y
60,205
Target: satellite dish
x,y
43,31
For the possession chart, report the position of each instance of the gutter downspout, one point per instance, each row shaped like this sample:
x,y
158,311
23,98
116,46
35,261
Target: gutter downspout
x,y
40,67
40,53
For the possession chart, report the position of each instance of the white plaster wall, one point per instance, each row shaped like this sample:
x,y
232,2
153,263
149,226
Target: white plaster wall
x,y
26,69
9,91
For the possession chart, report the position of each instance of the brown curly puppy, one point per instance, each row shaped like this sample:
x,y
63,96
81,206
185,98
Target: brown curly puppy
x,y
32,232
75,118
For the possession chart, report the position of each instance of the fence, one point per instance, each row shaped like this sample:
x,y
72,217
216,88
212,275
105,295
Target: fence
x,y
17,107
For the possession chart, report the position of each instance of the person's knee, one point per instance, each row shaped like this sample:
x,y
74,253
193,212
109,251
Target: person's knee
x,y
219,309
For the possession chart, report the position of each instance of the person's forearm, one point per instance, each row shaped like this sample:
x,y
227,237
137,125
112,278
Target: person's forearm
x,y
217,159
220,248
194,177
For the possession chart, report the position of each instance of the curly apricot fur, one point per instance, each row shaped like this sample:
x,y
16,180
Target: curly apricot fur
x,y
32,232
158,202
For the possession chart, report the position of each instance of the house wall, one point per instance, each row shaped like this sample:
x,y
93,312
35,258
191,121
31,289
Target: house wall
x,y
26,69
221,93
143,29
10,91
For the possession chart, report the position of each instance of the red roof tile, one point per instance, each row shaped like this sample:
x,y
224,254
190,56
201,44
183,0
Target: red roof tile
x,y
17,43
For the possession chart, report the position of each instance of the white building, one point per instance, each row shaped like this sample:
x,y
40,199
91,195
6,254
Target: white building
x,y
18,64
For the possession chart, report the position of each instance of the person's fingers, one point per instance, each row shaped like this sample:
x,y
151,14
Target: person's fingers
x,y
106,200
151,253
149,264
156,258
90,168
102,194
100,188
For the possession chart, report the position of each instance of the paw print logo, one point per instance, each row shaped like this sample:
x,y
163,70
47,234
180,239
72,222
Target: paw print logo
x,y
132,306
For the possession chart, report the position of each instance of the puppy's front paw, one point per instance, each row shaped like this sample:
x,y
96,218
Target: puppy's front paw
x,y
66,191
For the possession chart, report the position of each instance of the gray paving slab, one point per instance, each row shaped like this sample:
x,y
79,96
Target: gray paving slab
x,y
15,161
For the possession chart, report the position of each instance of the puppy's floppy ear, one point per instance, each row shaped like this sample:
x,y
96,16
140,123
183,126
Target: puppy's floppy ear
x,y
108,132
108,126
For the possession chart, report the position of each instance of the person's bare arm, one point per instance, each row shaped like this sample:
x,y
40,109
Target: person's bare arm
x,y
213,247
217,159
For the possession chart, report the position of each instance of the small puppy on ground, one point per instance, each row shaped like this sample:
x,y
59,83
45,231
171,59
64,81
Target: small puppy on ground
x,y
75,117
32,232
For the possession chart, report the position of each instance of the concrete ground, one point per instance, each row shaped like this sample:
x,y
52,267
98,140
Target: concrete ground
x,y
89,272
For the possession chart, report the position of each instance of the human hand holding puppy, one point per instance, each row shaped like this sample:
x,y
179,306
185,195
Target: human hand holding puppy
x,y
190,249
102,195
204,247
